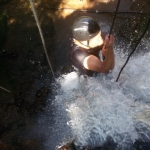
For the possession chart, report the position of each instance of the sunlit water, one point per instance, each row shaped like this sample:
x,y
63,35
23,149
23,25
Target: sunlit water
x,y
98,107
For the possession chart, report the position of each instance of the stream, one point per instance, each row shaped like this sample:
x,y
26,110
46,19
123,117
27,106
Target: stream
x,y
93,110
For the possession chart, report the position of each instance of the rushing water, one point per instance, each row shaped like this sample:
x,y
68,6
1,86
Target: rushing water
x,y
98,107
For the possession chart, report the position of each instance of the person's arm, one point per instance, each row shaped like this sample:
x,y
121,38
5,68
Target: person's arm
x,y
93,63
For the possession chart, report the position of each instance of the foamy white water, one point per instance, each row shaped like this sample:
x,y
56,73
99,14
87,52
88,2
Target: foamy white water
x,y
99,107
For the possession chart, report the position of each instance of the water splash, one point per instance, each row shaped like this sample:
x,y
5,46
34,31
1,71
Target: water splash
x,y
99,107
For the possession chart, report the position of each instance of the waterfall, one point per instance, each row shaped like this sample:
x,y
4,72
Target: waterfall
x,y
98,107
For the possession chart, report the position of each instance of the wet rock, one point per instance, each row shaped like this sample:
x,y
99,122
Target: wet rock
x,y
10,117
8,55
2,2
3,28
66,69
67,146
40,99
32,144
13,141
108,145
138,145
6,98
4,146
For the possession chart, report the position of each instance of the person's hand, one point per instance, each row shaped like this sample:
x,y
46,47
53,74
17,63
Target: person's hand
x,y
108,44
109,41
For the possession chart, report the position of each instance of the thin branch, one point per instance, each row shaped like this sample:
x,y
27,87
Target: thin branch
x,y
5,89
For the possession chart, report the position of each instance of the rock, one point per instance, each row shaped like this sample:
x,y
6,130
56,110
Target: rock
x,y
3,28
32,144
66,69
40,99
13,141
10,117
4,146
67,146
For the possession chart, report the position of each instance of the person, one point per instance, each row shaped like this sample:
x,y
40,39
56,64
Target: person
x,y
87,45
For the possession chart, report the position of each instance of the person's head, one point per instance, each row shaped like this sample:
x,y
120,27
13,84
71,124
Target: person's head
x,y
86,32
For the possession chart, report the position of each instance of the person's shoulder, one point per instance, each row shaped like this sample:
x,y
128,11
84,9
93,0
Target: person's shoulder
x,y
76,49
78,53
